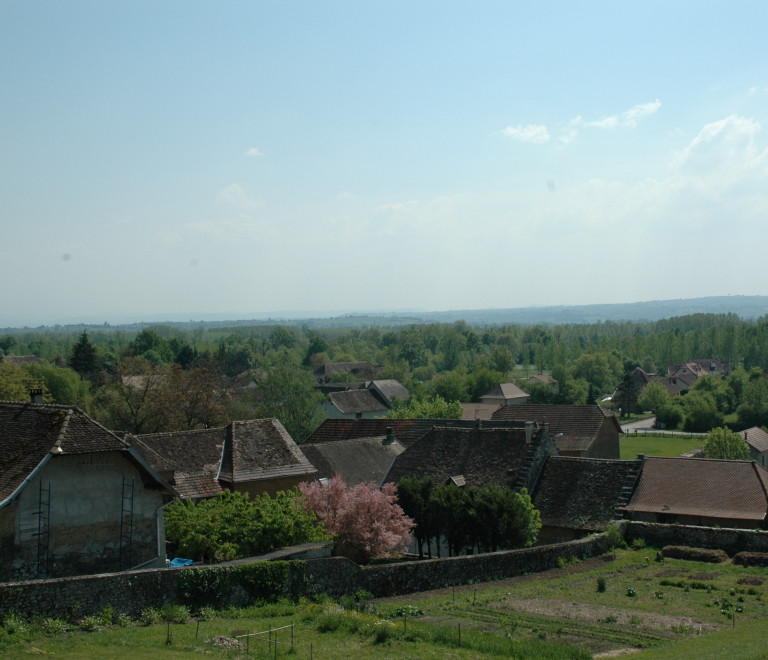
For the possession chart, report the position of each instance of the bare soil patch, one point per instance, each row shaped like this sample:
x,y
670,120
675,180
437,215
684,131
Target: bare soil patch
x,y
599,614
756,581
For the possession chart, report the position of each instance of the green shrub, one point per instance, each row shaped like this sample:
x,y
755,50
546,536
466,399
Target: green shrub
x,y
151,615
230,525
176,613
90,624
403,611
14,623
631,592
207,613
601,584
107,616
638,544
205,587
54,626
330,619
382,633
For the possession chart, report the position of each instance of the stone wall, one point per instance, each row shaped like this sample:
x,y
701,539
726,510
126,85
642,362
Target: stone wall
x,y
728,539
135,591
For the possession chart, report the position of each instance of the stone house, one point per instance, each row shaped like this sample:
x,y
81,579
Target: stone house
x,y
579,496
74,498
582,431
255,456
507,457
757,441
372,399
700,491
357,460
505,394
543,379
627,401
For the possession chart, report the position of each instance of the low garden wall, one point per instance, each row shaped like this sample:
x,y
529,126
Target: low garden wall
x,y
222,586
716,538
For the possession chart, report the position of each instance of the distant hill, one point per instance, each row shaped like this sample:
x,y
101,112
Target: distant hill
x,y
747,307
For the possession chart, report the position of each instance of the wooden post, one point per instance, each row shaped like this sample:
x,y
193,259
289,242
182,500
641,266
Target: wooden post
x,y
310,651
291,635
405,622
459,635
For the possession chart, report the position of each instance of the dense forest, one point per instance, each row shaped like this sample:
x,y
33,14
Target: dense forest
x,y
161,378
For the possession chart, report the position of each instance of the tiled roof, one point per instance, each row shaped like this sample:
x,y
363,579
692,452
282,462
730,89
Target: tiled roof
x,y
390,388
579,425
329,368
542,378
193,456
407,431
756,438
702,487
261,449
506,391
480,456
29,431
356,460
482,411
354,401
666,382
580,493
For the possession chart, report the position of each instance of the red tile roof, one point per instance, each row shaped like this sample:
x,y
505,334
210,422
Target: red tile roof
x,y
702,487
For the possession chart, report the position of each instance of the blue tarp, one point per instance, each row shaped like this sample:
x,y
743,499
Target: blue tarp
x,y
176,563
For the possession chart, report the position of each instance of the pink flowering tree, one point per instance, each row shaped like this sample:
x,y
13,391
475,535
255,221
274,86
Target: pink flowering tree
x,y
366,522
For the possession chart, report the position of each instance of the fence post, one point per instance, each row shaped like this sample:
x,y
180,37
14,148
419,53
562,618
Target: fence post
x,y
291,635
459,635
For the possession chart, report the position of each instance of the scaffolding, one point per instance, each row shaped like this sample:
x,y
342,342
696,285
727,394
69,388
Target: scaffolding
x,y
44,532
126,524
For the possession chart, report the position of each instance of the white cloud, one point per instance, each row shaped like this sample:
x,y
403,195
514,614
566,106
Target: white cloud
x,y
568,137
253,151
626,118
399,207
640,110
576,121
235,195
238,225
752,90
529,133
608,122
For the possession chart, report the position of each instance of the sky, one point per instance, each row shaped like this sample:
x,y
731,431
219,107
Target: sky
x,y
254,157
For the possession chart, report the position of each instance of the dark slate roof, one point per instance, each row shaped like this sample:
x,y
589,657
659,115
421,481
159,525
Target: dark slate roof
x,y
354,401
709,488
579,425
193,456
480,456
580,493
358,460
30,431
390,388
407,431
329,368
756,438
261,449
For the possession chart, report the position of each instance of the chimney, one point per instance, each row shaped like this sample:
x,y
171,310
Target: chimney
x,y
390,439
478,424
36,394
529,432
641,458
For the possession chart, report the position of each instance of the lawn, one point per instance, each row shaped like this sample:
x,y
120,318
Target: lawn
x,y
664,609
656,445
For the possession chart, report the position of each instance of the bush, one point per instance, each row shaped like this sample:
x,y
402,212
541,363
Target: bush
x,y
330,618
638,544
751,558
54,626
631,592
671,416
90,624
150,616
695,554
122,619
230,525
382,633
601,584
176,613
14,623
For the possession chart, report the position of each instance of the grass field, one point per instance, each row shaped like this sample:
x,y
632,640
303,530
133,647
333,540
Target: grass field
x,y
654,445
663,609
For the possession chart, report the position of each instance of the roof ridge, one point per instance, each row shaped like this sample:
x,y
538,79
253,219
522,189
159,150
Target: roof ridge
x,y
60,406
713,460
162,433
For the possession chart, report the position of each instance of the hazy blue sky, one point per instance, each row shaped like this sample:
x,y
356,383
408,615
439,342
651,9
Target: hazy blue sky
x,y
174,157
